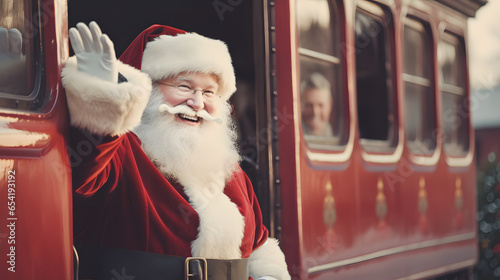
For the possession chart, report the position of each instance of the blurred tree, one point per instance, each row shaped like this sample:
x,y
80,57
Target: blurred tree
x,y
488,216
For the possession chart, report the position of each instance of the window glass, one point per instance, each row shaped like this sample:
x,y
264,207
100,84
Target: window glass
x,y
455,110
17,63
375,96
316,26
321,91
420,108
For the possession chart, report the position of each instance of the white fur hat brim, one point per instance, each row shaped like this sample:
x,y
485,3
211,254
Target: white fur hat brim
x,y
167,56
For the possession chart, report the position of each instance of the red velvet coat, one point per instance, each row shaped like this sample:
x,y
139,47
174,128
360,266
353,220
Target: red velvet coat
x,y
122,200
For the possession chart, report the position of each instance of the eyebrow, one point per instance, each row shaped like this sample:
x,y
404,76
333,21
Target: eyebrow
x,y
183,79
211,85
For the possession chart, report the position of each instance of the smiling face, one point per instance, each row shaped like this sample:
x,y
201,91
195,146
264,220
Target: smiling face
x,y
316,109
197,101
179,135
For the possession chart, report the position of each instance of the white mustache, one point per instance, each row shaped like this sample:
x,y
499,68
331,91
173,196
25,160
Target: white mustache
x,y
184,109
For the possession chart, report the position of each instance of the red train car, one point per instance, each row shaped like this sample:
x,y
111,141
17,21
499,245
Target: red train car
x,y
353,119
391,194
36,239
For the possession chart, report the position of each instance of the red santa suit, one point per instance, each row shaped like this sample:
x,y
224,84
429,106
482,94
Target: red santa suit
x,y
122,200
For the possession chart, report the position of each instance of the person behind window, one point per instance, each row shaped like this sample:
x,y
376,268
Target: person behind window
x,y
317,105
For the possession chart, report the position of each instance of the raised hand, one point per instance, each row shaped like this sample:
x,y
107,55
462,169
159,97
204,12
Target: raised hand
x,y
94,51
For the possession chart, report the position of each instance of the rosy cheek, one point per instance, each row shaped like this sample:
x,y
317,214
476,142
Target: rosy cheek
x,y
172,100
211,109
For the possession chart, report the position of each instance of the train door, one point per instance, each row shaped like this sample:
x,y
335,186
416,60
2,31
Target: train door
x,y
240,24
35,182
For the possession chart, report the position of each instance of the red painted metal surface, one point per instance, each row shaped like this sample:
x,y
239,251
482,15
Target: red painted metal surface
x,y
291,241
36,234
372,215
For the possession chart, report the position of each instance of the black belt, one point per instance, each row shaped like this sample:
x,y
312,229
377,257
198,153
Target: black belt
x,y
100,263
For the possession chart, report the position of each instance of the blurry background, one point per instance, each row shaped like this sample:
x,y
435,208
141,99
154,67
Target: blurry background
x,y
484,51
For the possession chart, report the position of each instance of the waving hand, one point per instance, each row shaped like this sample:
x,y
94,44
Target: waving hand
x,y
94,51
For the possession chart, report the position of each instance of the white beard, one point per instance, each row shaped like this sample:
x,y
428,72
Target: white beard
x,y
202,159
204,155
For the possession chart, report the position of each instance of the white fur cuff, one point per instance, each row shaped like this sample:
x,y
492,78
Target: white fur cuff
x,y
103,107
268,260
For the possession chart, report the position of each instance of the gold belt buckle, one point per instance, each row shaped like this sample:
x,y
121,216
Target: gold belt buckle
x,y
188,274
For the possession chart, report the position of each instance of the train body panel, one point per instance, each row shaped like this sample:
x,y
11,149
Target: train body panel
x,y
362,210
37,233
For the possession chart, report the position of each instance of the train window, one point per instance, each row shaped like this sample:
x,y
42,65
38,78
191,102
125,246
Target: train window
x,y
17,47
321,91
455,111
375,94
420,105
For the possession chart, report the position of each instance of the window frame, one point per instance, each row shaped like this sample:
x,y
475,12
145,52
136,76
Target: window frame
x,y
35,101
430,156
455,159
342,149
390,150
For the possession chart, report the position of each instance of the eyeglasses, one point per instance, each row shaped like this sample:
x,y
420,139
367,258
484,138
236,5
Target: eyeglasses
x,y
187,91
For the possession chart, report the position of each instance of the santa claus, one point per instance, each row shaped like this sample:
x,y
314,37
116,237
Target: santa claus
x,y
162,175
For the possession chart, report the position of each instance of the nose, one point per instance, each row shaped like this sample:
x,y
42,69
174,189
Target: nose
x,y
316,111
196,101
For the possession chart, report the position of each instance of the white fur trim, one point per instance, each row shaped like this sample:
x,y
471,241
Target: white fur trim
x,y
268,260
103,107
170,55
221,224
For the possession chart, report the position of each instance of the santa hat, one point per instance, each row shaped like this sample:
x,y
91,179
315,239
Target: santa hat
x,y
162,51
